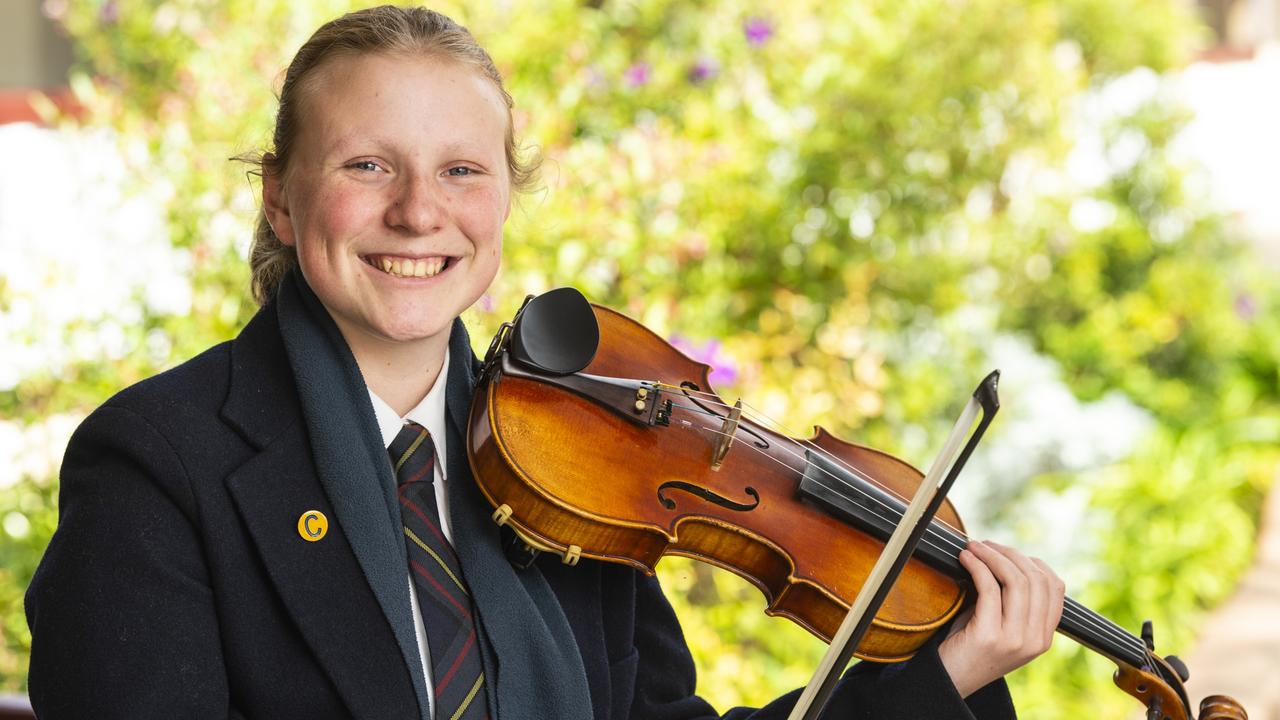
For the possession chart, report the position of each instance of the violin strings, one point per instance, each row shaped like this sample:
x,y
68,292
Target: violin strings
x,y
766,421
953,543
1072,610
937,537
763,419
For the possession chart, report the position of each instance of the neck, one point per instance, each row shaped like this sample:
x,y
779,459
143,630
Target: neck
x,y
401,373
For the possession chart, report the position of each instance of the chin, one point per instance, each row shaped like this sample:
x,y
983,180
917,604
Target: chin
x,y
407,333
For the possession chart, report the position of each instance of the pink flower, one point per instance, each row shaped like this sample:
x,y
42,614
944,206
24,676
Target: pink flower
x,y
1246,306
638,74
110,12
723,370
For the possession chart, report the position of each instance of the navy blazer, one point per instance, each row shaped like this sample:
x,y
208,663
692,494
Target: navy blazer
x,y
176,586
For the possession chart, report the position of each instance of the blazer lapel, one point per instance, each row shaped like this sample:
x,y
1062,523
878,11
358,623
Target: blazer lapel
x,y
350,460
321,583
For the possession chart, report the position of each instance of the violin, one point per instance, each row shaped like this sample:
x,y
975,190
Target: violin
x,y
593,437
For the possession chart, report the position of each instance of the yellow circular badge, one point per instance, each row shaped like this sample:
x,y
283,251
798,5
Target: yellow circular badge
x,y
313,525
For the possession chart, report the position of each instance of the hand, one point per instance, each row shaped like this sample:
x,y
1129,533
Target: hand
x,y
1013,620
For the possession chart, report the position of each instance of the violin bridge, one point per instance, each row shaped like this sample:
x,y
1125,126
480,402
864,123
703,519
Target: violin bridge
x,y
727,432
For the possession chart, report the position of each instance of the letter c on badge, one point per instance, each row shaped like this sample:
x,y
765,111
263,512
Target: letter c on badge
x,y
313,525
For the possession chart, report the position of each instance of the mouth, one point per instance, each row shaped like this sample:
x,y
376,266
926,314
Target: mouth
x,y
409,267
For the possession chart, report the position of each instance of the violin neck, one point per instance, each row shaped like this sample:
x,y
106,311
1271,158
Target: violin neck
x,y
1099,634
1078,622
877,512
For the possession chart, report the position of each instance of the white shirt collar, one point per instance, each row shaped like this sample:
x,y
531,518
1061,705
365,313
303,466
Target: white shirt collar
x,y
429,414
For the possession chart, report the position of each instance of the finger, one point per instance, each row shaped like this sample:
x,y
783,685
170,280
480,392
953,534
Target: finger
x,y
1038,593
1014,583
1058,591
988,607
961,621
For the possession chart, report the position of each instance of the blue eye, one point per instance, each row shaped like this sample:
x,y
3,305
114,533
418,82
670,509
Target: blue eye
x,y
459,171
366,165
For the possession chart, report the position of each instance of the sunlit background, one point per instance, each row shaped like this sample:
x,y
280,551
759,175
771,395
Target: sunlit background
x,y
851,211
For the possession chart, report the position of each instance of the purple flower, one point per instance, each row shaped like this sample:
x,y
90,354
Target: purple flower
x,y
1246,306
638,74
758,30
109,13
723,370
703,70
486,303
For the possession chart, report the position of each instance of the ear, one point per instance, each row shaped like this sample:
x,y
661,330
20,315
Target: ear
x,y
275,203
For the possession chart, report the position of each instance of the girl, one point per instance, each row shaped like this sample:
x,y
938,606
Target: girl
x,y
286,526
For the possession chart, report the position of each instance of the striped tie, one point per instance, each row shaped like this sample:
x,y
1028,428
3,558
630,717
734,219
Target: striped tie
x,y
442,595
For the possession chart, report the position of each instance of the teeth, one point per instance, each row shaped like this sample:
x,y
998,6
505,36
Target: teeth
x,y
408,267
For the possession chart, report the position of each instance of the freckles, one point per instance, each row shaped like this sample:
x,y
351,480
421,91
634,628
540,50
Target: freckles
x,y
340,211
485,194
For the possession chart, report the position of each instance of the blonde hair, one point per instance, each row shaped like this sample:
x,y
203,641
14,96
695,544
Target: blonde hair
x,y
385,29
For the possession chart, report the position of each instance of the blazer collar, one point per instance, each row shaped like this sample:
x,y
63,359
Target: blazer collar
x,y
261,400
463,367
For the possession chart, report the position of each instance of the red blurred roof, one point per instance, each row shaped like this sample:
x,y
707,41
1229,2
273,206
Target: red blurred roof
x,y
15,104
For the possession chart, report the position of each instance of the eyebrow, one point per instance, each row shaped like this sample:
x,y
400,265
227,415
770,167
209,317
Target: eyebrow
x,y
348,144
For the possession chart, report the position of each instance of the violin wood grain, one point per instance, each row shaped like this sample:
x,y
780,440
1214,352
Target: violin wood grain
x,y
576,473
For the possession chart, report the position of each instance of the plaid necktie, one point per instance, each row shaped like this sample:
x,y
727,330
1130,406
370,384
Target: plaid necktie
x,y
442,594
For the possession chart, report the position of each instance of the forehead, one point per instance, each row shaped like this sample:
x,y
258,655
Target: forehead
x,y
398,93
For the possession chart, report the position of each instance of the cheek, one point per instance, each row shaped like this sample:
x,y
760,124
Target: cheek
x,y
484,211
337,215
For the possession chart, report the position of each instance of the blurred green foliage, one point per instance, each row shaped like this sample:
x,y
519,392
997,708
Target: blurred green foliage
x,y
832,192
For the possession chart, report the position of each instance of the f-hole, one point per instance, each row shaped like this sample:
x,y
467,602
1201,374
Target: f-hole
x,y
707,495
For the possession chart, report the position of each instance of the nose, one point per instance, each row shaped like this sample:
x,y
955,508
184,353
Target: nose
x,y
418,207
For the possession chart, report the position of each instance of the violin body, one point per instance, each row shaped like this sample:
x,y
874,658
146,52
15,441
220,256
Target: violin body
x,y
572,475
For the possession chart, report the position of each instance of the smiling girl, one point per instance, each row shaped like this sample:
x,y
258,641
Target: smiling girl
x,y
286,526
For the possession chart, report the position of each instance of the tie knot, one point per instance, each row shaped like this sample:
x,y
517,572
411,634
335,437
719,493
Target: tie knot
x,y
413,454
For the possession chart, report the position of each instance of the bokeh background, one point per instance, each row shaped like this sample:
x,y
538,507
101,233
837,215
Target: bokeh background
x,y
852,211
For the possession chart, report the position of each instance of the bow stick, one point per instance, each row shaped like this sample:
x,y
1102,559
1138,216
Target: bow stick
x,y
916,519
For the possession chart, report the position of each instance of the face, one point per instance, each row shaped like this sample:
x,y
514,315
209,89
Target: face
x,y
395,195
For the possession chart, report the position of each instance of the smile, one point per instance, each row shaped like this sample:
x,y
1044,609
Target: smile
x,y
407,267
